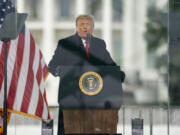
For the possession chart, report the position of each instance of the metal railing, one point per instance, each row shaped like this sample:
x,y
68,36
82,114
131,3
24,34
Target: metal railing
x,y
155,121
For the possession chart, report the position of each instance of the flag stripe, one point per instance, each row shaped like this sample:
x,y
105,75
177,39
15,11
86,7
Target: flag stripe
x,y
39,109
45,70
30,78
35,91
16,72
44,67
39,73
46,104
1,44
23,73
2,73
45,113
2,65
10,62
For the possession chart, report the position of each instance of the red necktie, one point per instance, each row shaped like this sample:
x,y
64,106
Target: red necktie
x,y
87,52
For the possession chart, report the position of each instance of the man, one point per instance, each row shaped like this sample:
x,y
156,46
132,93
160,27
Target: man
x,y
74,51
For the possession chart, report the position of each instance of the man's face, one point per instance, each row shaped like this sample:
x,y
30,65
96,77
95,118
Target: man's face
x,y
83,27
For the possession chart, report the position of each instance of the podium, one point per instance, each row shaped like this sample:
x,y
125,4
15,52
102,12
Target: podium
x,y
95,87
90,97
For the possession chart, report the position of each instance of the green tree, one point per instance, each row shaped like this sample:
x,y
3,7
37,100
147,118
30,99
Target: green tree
x,y
156,36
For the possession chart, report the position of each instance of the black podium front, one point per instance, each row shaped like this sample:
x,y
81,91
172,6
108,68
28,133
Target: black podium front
x,y
97,87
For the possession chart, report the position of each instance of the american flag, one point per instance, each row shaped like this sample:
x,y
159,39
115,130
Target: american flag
x,y
26,72
6,7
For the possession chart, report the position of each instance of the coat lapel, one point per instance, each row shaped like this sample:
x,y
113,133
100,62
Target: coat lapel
x,y
80,46
78,41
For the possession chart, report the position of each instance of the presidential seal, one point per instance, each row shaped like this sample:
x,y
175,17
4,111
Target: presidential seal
x,y
90,83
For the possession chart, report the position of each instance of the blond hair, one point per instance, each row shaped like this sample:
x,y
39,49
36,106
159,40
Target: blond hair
x,y
85,16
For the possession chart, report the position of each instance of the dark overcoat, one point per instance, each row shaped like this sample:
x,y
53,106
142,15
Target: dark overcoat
x,y
70,52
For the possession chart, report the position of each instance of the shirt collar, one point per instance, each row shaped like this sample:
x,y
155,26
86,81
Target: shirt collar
x,y
83,40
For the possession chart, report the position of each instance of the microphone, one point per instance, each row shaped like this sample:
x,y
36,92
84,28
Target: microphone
x,y
89,36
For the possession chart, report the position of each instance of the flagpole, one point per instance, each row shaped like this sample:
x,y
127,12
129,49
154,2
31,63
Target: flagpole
x,y
5,87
